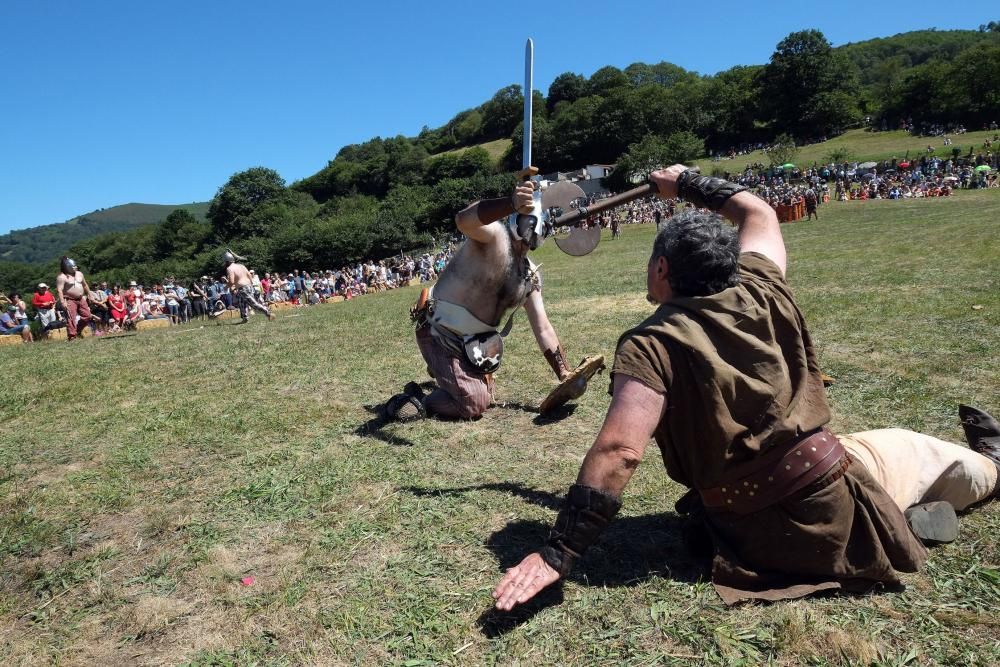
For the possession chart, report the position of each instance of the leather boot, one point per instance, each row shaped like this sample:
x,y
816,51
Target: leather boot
x,y
934,522
982,432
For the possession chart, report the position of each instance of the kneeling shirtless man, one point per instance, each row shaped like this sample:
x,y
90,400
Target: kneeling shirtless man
x,y
458,319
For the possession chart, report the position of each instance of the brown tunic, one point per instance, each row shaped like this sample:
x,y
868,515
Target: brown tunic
x,y
740,376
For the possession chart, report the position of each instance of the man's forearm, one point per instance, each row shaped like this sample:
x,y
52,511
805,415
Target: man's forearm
x,y
486,211
747,208
609,466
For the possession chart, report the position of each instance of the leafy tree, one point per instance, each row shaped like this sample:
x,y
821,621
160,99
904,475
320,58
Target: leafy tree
x,y
180,234
654,153
782,151
607,79
838,155
662,74
502,113
804,73
567,87
242,194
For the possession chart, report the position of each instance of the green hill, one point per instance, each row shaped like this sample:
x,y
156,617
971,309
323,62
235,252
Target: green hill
x,y
859,145
41,244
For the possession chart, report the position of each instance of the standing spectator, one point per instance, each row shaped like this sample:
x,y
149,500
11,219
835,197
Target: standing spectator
x,y
199,299
265,287
45,305
255,283
72,288
173,304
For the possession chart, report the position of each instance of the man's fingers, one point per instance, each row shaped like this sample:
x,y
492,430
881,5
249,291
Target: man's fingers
x,y
507,578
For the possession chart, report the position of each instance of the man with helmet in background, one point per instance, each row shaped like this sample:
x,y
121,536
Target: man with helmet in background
x,y
241,283
71,291
458,319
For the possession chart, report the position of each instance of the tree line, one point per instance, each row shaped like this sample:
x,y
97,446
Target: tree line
x,y
389,195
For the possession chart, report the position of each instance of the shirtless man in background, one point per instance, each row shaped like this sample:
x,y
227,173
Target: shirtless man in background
x,y
71,292
241,283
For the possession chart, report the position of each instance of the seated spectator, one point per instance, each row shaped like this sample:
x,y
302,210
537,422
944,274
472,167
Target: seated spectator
x,y
99,309
8,327
21,316
117,309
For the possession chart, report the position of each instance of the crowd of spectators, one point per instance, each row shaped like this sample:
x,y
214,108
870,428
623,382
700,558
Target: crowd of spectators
x,y
117,308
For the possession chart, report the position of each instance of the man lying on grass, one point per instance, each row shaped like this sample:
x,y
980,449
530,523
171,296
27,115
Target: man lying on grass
x,y
724,377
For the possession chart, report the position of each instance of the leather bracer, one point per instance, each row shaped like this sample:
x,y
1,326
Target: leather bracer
x,y
583,517
491,210
706,191
557,361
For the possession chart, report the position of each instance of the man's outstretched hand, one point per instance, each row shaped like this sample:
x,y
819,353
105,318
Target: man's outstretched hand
x,y
523,581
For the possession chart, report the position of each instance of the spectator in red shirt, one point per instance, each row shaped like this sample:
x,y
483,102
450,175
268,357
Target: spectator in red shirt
x,y
45,305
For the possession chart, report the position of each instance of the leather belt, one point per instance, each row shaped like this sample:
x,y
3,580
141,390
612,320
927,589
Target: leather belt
x,y
779,473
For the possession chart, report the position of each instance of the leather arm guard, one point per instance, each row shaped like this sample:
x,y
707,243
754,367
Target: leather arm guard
x,y
706,191
557,360
491,210
584,515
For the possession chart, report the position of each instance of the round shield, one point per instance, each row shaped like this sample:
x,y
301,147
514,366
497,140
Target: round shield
x,y
561,198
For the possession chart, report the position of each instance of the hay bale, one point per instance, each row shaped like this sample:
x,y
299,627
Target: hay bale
x,y
142,325
10,339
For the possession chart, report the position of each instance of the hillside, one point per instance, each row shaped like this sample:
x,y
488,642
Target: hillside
x,y
860,145
41,244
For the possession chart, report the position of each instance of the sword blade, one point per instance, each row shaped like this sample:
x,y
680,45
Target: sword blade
x,y
529,61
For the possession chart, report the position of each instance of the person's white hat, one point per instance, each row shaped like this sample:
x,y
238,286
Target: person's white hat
x,y
131,283
41,285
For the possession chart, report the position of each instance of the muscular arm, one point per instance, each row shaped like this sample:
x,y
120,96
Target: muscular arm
x,y
760,231
631,420
757,222
475,220
545,334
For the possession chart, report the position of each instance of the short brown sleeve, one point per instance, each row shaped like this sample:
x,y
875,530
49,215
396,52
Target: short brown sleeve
x,y
760,266
646,359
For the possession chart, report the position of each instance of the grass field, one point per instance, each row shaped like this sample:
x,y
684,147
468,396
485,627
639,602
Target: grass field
x,y
496,149
144,479
862,146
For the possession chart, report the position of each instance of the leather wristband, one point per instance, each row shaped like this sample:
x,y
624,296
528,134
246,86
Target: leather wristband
x,y
557,361
583,517
491,210
706,191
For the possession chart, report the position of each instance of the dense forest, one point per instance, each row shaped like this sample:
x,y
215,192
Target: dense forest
x,y
389,195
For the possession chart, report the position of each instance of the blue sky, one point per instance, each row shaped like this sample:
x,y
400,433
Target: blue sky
x,y
106,102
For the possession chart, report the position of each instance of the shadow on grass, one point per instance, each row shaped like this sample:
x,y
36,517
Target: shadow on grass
x,y
375,428
553,417
631,550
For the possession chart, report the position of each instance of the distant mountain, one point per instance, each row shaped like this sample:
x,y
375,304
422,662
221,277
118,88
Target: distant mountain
x,y
41,244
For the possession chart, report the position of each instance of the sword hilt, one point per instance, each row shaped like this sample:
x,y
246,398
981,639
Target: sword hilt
x,y
527,173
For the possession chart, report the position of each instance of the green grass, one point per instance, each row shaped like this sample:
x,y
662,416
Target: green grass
x,y
142,478
862,146
495,148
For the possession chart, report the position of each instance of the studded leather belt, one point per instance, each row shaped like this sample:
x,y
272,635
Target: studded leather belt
x,y
781,472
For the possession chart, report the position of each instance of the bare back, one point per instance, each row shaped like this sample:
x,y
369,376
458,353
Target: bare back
x,y
487,279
